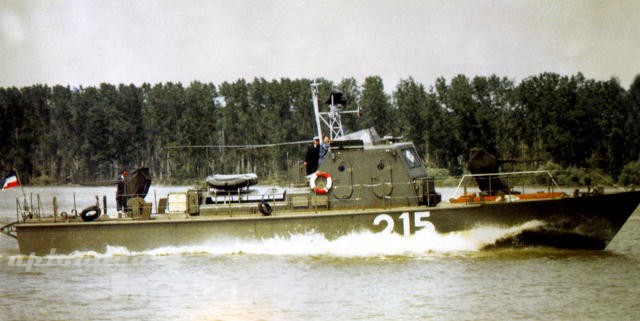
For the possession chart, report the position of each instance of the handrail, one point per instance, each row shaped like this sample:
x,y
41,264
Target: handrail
x,y
521,173
7,230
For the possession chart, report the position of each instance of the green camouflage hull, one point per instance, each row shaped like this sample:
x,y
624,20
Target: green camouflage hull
x,y
588,222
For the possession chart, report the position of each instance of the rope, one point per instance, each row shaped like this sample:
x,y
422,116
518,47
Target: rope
x,y
239,146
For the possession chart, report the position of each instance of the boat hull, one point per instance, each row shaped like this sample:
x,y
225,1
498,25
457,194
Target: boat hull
x,y
588,222
584,222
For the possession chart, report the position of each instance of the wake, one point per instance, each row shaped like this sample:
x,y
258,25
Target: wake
x,y
357,244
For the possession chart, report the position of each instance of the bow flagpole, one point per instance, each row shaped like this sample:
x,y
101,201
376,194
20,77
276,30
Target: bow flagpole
x,y
13,180
24,196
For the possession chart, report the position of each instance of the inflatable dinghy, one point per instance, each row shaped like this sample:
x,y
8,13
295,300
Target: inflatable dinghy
x,y
231,182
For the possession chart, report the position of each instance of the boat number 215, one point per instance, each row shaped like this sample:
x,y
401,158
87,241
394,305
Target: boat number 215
x,y
418,222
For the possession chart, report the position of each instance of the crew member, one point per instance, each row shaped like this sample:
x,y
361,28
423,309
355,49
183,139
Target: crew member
x,y
313,154
324,149
120,194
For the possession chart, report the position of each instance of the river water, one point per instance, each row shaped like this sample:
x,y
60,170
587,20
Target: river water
x,y
358,277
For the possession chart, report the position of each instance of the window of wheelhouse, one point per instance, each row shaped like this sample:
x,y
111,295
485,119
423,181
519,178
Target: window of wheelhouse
x,y
411,157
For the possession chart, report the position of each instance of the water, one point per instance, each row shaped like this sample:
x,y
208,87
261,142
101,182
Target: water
x,y
357,277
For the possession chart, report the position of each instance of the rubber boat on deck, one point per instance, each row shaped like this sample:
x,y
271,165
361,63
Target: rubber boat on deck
x,y
231,181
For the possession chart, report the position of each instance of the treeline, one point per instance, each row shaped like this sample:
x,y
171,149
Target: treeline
x,y
62,134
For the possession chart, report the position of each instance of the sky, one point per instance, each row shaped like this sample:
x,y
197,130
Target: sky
x,y
87,42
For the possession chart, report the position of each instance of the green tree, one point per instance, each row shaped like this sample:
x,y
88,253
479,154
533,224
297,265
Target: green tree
x,y
60,135
411,102
128,128
15,140
351,91
378,112
237,125
632,121
163,104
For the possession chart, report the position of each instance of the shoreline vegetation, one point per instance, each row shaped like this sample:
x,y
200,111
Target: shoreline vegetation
x,y
564,177
575,126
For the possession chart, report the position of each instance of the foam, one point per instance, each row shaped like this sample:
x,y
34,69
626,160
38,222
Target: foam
x,y
357,244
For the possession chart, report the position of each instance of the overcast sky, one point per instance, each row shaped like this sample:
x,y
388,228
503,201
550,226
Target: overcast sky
x,y
88,42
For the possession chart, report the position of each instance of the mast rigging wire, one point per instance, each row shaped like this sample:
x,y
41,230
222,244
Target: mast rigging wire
x,y
255,146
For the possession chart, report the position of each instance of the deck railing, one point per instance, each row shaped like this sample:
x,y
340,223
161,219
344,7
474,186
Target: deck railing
x,y
508,178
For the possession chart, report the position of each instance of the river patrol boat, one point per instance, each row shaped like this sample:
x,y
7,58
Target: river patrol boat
x,y
364,184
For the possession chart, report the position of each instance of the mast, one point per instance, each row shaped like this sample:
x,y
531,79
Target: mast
x,y
332,119
316,108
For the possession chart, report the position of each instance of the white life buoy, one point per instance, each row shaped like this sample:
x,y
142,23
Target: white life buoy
x,y
326,188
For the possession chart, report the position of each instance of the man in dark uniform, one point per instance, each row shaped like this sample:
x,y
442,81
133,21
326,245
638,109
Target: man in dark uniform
x,y
313,154
121,198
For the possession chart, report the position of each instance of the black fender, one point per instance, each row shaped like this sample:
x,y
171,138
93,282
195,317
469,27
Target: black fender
x,y
90,213
265,208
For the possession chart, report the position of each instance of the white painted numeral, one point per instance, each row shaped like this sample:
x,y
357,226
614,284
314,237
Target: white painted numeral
x,y
387,219
419,222
406,223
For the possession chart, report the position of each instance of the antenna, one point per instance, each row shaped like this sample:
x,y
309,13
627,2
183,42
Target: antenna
x,y
316,109
332,118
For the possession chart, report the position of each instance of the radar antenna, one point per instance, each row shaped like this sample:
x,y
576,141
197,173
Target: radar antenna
x,y
332,118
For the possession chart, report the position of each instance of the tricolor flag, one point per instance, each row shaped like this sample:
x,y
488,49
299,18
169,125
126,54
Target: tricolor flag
x,y
11,180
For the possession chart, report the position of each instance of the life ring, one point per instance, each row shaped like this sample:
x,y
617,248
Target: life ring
x,y
326,188
90,217
265,208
